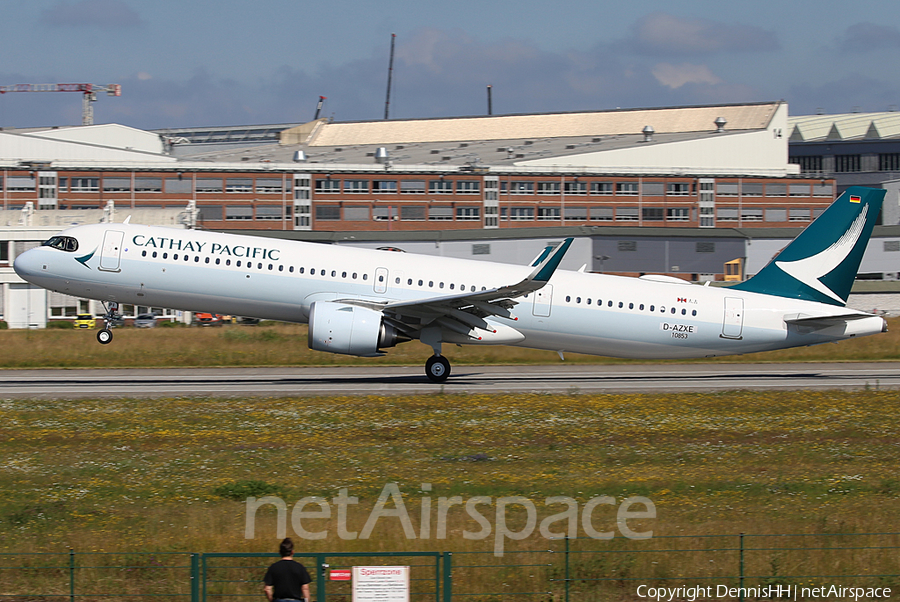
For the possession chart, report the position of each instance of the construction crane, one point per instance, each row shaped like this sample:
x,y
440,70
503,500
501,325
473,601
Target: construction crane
x,y
88,91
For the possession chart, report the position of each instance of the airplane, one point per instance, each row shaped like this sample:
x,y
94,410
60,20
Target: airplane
x,y
362,301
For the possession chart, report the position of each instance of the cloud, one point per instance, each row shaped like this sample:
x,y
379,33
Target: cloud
x,y
854,92
662,34
863,37
101,14
675,76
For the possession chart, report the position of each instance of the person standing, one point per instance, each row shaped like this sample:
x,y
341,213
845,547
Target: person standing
x,y
287,580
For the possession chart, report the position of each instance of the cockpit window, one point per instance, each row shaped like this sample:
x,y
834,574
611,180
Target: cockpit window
x,y
63,243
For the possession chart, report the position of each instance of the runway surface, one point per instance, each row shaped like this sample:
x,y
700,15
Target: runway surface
x,y
384,380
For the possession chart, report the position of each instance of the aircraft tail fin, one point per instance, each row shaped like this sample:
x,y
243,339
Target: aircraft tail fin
x,y
821,263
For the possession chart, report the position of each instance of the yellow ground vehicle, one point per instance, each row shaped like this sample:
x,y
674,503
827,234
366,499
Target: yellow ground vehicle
x,y
85,321
734,270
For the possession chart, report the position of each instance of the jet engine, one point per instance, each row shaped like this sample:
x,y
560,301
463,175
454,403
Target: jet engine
x,y
349,329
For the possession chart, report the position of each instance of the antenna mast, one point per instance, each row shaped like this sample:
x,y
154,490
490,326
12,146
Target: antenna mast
x,y
387,102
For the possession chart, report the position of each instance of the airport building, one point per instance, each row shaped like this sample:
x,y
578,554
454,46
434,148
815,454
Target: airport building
x,y
679,190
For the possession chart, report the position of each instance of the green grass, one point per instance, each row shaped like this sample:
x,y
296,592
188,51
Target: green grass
x,y
286,345
129,476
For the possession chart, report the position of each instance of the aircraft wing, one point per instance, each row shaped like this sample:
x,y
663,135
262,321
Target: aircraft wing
x,y
463,312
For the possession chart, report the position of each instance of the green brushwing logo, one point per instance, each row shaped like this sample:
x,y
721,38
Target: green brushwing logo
x,y
85,258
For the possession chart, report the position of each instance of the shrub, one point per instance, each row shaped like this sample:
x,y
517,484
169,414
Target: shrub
x,y
60,324
169,324
3,325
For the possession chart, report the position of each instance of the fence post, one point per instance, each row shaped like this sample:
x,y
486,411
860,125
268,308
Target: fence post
x,y
71,575
448,576
437,577
203,577
741,567
320,577
195,577
567,568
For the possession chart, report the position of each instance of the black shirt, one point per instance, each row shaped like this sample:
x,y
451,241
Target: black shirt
x,y
287,579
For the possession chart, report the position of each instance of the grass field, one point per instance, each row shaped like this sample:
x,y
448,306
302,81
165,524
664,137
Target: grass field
x,y
171,474
285,345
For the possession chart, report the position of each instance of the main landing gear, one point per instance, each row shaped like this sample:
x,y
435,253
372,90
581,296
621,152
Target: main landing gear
x,y
437,368
105,336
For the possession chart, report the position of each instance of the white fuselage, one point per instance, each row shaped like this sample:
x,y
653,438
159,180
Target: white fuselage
x,y
279,280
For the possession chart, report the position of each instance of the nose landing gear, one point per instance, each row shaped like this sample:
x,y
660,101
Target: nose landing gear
x,y
105,336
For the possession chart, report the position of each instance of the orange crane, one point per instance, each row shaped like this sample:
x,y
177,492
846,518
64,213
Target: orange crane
x,y
88,91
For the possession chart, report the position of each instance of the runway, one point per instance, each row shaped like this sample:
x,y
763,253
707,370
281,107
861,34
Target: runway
x,y
407,380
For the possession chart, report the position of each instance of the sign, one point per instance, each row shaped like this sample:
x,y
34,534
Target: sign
x,y
340,574
381,584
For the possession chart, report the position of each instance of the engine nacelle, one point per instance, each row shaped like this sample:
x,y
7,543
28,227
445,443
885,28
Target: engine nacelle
x,y
349,329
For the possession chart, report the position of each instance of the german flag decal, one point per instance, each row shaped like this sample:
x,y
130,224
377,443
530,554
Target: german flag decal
x,y
854,199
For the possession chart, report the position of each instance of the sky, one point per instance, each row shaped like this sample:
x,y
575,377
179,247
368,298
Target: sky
x,y
191,63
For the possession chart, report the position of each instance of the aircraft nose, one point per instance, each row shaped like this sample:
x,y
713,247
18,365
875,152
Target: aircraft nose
x,y
29,264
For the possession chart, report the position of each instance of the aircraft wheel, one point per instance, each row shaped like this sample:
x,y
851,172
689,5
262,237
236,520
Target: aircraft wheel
x,y
437,368
104,336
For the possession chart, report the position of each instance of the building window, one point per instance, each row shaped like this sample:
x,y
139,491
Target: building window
x,y
751,189
116,184
776,215
627,188
808,164
412,213
727,214
517,187
356,186
329,213
412,186
148,184
626,214
548,188
210,213
823,190
726,189
652,214
83,184
576,213
481,249
209,184
892,246
440,187
847,163
652,188
521,213
889,162
180,185
468,213
626,245
678,189
579,188
602,214
548,213
776,189
238,212
602,188
269,186
328,186
799,215
798,190
384,186
678,214
384,214
238,184
24,183
705,247
440,213
356,213
751,215
468,187
269,212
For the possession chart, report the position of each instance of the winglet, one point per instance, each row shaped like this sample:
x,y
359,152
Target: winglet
x,y
542,256
544,270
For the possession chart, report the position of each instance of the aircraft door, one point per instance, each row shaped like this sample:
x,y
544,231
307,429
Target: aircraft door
x,y
542,300
381,280
111,251
733,323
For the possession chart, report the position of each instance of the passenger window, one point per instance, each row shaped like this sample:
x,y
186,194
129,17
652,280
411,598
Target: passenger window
x,y
683,312
381,279
258,266
281,268
354,275
641,307
396,280
631,306
451,286
154,254
207,260
343,274
609,304
143,253
365,276
238,263
694,313
588,301
175,256
577,299
334,273
165,255
621,305
441,285
430,283
227,262
300,271
291,269
568,299
652,308
420,283
673,310
197,259
271,266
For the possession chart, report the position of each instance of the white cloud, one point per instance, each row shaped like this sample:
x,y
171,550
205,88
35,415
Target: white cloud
x,y
675,76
